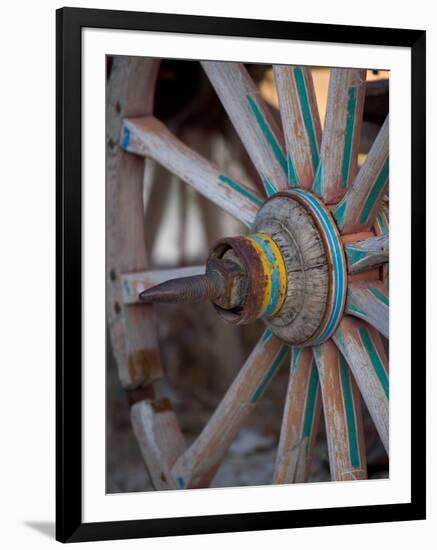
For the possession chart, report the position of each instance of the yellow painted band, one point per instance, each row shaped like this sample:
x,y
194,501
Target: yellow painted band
x,y
274,269
268,287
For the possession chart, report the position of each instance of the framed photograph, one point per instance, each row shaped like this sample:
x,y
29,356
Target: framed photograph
x,y
227,283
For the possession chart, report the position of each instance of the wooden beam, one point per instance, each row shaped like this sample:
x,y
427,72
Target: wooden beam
x,y
364,352
369,301
300,421
160,439
363,255
206,453
300,122
341,134
357,210
147,136
252,120
343,416
132,330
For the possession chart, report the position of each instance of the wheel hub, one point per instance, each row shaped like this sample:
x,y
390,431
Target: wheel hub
x,y
290,271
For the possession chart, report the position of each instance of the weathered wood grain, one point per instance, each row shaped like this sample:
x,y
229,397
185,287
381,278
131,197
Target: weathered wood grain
x,y
364,352
341,134
132,330
300,123
343,416
357,210
367,254
381,227
252,120
134,283
300,421
206,453
160,439
149,137
157,190
369,301
291,225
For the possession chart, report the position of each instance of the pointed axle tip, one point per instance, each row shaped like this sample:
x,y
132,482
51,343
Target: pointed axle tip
x,y
185,290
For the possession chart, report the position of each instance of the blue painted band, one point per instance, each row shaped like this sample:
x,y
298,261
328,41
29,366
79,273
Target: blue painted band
x,y
274,293
126,137
339,264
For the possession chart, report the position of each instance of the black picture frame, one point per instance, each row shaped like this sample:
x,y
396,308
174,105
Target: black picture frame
x,y
69,525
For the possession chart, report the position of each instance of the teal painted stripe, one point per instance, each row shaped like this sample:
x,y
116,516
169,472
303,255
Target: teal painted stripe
x,y
291,173
354,309
349,134
306,114
354,452
379,295
295,354
126,137
374,192
274,273
266,335
339,212
270,189
318,180
260,389
256,200
354,255
181,482
375,360
270,138
311,401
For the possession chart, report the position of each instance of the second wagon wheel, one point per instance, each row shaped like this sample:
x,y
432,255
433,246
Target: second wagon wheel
x,y
313,267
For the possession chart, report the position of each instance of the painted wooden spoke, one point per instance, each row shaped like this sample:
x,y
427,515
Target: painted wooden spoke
x,y
363,350
199,463
343,417
381,227
341,134
252,120
300,122
160,439
134,283
300,421
358,209
368,300
149,137
363,255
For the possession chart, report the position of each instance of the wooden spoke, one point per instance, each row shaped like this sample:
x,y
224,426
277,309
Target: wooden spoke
x,y
149,137
363,350
300,122
343,417
363,255
381,228
160,439
368,300
358,209
252,120
133,329
341,134
300,421
194,467
134,283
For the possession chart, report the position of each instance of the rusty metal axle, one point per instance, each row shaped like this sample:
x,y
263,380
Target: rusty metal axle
x,y
185,290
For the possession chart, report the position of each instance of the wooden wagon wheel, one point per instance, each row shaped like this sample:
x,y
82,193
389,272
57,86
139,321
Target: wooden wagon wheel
x,y
313,266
